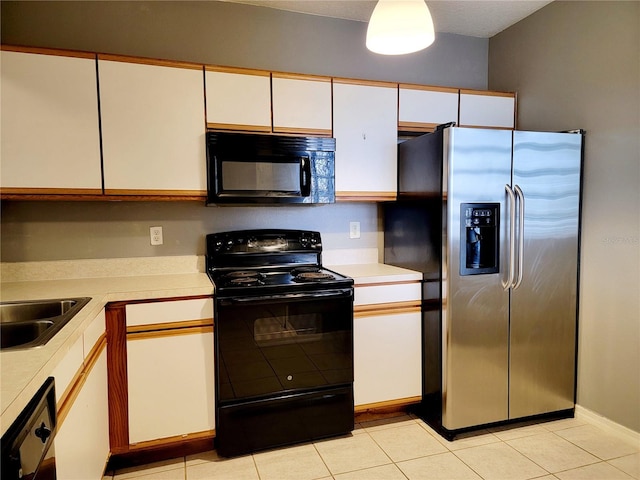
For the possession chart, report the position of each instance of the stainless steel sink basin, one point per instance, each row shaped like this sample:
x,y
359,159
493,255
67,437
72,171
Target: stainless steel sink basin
x,y
31,324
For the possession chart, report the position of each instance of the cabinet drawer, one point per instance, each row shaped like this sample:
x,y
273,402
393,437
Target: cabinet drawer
x,y
168,312
377,294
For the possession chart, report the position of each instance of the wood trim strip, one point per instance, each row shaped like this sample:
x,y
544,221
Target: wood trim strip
x,y
48,51
300,76
69,396
416,126
239,128
319,132
349,196
238,70
123,303
103,198
150,61
161,193
203,322
176,438
487,93
166,332
486,127
49,191
400,402
369,83
118,389
431,88
361,311
173,447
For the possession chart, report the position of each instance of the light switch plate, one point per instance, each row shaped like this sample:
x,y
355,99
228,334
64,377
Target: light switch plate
x,y
354,229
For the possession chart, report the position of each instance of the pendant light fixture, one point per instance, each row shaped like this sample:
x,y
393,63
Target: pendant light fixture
x,y
397,27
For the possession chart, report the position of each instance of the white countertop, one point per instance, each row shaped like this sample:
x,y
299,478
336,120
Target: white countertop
x,y
369,273
22,372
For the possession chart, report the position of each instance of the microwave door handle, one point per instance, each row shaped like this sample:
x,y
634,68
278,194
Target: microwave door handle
x,y
334,294
305,177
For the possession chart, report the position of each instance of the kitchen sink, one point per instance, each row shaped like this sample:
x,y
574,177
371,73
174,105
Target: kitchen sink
x,y
30,324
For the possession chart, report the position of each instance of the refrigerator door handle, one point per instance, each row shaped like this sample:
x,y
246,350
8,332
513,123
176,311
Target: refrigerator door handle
x,y
512,237
520,195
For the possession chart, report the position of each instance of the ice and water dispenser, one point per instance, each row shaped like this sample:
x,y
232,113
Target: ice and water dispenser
x,y
479,238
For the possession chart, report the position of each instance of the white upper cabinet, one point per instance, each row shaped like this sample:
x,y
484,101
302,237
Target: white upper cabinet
x,y
153,128
301,104
50,130
238,99
365,125
422,108
487,109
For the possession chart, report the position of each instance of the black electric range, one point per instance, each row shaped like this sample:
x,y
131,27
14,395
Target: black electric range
x,y
283,340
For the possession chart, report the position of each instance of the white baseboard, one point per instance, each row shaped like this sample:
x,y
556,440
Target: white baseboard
x,y
609,425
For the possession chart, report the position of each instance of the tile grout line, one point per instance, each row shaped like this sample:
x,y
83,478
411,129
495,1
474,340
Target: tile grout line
x,y
385,452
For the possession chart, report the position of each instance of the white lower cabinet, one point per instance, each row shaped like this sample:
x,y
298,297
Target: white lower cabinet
x,y
82,440
387,357
170,381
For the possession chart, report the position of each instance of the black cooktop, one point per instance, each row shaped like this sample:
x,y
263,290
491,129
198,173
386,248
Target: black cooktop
x,y
250,262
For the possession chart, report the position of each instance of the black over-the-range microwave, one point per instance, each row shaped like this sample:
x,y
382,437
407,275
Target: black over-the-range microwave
x,y
245,168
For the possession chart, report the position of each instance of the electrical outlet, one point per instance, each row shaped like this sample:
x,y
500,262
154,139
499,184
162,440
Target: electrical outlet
x,y
354,229
155,234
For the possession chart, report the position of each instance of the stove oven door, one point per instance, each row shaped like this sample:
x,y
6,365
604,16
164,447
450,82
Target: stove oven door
x,y
284,369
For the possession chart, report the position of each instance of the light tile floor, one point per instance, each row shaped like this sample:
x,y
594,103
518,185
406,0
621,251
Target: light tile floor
x,y
406,448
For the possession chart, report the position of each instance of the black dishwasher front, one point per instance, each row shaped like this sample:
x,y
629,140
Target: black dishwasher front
x,y
27,446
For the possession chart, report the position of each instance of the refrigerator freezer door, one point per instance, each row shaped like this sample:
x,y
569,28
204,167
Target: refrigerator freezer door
x,y
475,317
546,167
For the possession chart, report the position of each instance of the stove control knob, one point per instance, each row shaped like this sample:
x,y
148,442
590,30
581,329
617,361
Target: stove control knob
x,y
218,245
304,240
229,244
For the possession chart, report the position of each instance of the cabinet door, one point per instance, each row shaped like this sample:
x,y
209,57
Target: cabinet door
x,y
487,109
50,134
421,109
170,385
301,104
82,440
153,129
387,357
238,99
365,126
67,370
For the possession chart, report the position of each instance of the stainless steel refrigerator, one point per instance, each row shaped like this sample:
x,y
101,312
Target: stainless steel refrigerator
x,y
492,220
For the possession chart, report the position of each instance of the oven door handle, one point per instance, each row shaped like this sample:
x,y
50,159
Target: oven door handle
x,y
341,293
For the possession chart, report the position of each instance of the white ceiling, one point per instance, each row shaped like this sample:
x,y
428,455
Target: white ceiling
x,y
475,18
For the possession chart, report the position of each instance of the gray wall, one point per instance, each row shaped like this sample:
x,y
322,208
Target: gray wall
x,y
212,33
577,65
